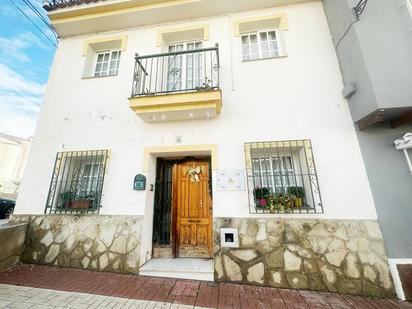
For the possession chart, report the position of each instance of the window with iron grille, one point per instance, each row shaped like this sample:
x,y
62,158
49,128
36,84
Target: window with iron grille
x,y
77,182
282,177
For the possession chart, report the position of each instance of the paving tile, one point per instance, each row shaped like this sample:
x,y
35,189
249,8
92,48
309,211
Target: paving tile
x,y
52,287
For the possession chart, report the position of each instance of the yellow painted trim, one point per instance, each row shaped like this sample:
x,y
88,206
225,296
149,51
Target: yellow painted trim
x,y
109,10
282,25
123,44
183,107
176,98
161,33
148,151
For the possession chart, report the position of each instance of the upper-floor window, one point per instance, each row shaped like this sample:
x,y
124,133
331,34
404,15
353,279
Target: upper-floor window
x,y
107,63
260,44
102,56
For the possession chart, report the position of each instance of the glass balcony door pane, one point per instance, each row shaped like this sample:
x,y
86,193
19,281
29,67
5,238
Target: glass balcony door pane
x,y
184,72
174,68
194,66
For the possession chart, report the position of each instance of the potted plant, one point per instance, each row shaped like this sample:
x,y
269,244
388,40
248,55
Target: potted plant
x,y
67,199
298,194
261,195
279,202
71,201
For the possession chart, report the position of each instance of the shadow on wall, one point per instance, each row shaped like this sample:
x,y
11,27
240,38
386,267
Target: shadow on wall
x,y
12,237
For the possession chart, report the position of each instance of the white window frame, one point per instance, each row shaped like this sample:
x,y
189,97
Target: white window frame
x,y
183,61
90,179
267,177
259,43
107,71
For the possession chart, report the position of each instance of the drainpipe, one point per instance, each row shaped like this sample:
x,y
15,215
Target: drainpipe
x,y
404,144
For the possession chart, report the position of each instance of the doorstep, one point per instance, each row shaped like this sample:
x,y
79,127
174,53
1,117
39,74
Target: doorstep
x,y
180,268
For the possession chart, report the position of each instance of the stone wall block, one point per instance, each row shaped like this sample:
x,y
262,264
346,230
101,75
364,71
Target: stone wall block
x,y
256,273
245,255
275,258
350,286
292,261
352,266
346,256
232,269
297,280
83,241
278,279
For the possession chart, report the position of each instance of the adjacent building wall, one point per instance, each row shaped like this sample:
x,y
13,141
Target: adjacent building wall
x,y
391,184
371,50
375,55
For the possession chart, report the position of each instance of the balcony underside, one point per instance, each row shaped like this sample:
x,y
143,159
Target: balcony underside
x,y
177,106
397,117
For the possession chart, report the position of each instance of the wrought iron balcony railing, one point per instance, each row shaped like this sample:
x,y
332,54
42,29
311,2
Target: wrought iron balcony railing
x,y
174,72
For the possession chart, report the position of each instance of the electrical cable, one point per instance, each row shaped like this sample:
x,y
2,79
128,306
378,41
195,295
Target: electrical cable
x,y
358,10
44,20
34,24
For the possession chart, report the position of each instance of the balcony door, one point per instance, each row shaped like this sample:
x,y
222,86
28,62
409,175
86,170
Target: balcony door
x,y
184,72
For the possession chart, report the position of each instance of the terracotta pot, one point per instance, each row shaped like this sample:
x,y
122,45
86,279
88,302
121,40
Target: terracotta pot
x,y
80,204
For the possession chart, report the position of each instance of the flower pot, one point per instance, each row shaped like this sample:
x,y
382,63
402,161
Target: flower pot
x,y
262,202
80,204
298,202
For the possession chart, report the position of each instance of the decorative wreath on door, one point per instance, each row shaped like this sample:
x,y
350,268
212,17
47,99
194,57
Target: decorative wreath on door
x,y
194,173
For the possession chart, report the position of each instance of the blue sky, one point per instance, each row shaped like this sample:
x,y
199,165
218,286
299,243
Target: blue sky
x,y
25,60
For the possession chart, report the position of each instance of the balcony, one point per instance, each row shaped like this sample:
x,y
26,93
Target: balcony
x,y
179,85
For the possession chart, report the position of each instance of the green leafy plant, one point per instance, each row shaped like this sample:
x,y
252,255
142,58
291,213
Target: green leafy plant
x,y
280,202
261,195
295,191
66,198
298,194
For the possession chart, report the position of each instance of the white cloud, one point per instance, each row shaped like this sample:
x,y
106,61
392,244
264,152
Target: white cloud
x,y
15,48
20,101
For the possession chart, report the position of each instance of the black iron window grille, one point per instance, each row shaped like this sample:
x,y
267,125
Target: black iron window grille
x,y
194,69
77,182
281,177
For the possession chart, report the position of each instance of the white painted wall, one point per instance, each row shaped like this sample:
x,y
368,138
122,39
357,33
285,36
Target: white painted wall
x,y
296,97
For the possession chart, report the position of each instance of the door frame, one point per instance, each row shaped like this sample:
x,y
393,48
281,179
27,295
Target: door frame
x,y
174,237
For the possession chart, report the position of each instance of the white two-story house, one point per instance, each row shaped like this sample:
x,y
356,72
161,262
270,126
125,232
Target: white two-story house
x,y
201,139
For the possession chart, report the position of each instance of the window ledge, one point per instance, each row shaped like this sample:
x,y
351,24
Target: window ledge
x,y
266,58
91,77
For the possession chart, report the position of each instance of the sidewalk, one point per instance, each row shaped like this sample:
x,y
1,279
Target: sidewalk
x,y
53,287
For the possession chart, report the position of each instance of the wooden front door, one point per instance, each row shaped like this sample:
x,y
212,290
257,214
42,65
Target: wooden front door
x,y
193,209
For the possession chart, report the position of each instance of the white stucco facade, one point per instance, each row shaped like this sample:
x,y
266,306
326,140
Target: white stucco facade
x,y
294,97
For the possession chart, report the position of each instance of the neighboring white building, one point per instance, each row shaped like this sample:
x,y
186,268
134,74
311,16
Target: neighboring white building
x,y
165,122
14,152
